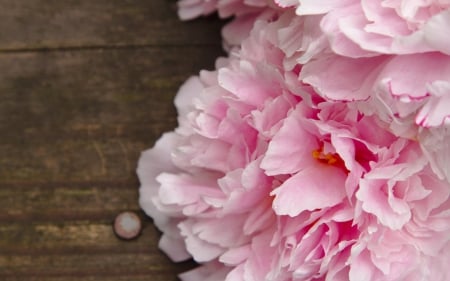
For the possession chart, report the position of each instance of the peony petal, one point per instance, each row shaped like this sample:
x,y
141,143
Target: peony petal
x,y
189,9
235,256
183,189
436,111
237,274
250,84
376,200
212,231
434,30
174,248
361,268
291,148
319,186
407,77
311,7
201,251
325,76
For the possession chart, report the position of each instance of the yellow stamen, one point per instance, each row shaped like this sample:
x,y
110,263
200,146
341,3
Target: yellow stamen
x,y
316,154
329,158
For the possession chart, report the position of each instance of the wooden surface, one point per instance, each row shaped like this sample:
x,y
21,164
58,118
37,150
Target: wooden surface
x,y
85,86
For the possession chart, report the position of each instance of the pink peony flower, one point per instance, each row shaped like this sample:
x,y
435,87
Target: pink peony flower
x,y
284,167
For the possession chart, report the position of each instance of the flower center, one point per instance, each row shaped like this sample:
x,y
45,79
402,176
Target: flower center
x,y
329,158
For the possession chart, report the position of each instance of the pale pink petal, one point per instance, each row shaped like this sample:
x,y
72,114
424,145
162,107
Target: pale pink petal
x,y
201,250
174,248
284,154
212,231
260,218
236,256
361,268
428,38
189,9
436,111
316,187
251,85
435,29
258,265
183,189
325,76
237,274
406,75
286,3
311,7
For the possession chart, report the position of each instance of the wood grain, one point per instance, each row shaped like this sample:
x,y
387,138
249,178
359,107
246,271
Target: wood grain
x,y
89,109
85,86
44,24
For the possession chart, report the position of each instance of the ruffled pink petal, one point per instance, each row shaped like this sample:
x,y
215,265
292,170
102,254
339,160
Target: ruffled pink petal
x,y
319,186
189,9
201,250
436,111
175,248
311,7
434,31
250,84
325,76
428,38
391,212
284,154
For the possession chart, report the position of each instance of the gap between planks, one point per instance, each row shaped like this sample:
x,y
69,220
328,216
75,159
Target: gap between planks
x,y
103,47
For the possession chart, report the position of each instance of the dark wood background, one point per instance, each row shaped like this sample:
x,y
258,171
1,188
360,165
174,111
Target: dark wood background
x,y
85,86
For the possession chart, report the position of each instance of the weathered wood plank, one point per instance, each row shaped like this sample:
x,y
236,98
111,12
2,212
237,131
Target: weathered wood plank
x,y
85,85
86,115
83,249
61,92
117,87
167,275
67,237
164,276
70,160
37,24
87,265
40,203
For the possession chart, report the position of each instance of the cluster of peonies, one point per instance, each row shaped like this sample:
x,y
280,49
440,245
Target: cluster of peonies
x,y
319,149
